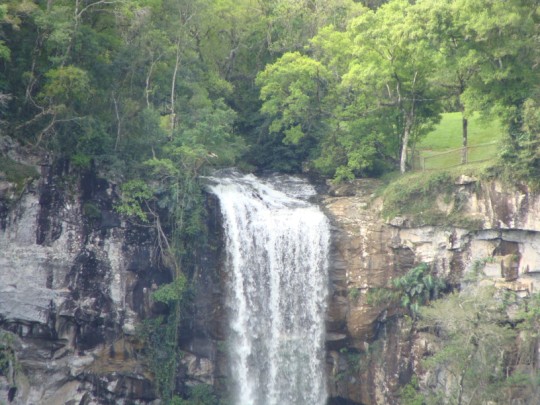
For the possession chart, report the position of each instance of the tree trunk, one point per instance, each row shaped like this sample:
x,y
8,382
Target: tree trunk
x,y
173,88
409,119
464,151
405,144
118,123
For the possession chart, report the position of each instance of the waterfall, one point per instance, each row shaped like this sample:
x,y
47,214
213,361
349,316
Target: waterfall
x,y
276,262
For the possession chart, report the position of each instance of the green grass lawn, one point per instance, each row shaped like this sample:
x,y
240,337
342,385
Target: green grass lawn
x,y
447,136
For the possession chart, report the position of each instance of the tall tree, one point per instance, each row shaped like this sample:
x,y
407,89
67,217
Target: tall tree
x,y
503,39
396,64
456,62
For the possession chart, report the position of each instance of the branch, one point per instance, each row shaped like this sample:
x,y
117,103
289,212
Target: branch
x,y
44,112
118,122
97,3
51,125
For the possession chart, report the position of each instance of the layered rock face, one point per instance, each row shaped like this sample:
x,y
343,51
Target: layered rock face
x,y
74,283
371,356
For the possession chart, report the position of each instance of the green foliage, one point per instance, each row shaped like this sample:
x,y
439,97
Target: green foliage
x,y
341,101
81,161
91,210
161,352
485,342
415,194
382,296
358,362
134,194
156,93
207,135
172,292
410,395
386,79
160,337
416,288
9,365
292,90
17,173
344,89
521,155
477,342
66,84
354,361
201,394
354,294
429,198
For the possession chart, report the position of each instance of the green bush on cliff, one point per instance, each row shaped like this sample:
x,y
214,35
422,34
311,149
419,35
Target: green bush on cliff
x,y
160,337
410,395
414,195
481,348
202,394
428,198
417,287
17,173
172,292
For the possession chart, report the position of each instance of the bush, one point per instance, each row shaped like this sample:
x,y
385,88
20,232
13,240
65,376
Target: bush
x,y
17,173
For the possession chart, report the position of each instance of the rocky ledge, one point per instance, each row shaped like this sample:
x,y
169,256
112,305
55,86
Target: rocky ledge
x,y
76,280
370,250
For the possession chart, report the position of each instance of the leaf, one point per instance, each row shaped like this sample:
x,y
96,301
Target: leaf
x,y
172,292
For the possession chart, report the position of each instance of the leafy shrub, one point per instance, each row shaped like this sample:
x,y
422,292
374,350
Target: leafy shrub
x,y
416,288
17,173
415,195
202,394
354,294
91,210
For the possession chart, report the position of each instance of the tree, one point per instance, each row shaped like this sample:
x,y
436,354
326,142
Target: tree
x,y
366,85
456,62
358,138
395,64
476,341
293,91
501,46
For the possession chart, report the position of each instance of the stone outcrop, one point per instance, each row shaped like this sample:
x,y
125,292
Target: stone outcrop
x,y
76,282
376,353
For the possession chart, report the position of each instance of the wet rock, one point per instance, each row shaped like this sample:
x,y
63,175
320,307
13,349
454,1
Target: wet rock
x,y
369,252
68,292
465,180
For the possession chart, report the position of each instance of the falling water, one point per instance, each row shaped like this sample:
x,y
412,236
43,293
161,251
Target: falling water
x,y
277,249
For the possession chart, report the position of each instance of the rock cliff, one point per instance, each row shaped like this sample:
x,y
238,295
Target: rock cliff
x,y
76,281
74,284
371,354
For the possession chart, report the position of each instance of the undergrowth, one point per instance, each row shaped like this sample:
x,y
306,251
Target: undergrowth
x,y
429,198
17,173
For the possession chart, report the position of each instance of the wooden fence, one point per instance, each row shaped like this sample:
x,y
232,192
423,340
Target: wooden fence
x,y
426,160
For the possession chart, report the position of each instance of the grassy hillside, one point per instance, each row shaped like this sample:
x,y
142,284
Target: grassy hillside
x,y
447,136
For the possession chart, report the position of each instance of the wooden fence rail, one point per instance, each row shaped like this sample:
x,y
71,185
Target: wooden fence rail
x,y
455,157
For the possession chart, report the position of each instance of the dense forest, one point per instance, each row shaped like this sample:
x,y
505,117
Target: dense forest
x,y
155,93
338,88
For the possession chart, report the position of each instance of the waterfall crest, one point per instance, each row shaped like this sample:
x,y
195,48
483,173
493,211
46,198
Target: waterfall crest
x,y
277,247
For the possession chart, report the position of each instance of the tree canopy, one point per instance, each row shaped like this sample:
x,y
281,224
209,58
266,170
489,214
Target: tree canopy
x,y
340,88
154,93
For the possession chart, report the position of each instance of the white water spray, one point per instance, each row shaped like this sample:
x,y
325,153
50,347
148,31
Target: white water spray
x,y
277,248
